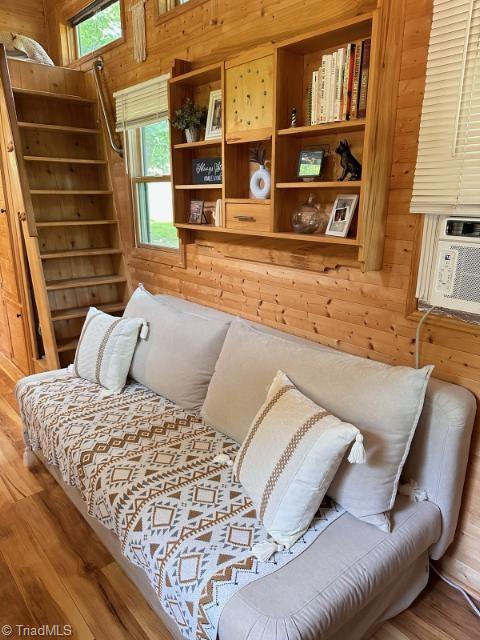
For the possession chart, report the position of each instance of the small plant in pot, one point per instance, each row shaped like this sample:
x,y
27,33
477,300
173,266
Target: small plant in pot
x,y
190,118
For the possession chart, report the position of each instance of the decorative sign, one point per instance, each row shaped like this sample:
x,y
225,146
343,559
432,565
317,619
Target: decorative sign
x,y
207,171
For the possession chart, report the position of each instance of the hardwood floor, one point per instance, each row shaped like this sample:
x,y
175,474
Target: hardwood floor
x,y
54,570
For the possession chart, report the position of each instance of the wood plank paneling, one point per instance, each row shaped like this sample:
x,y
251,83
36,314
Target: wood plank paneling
x,y
26,17
306,292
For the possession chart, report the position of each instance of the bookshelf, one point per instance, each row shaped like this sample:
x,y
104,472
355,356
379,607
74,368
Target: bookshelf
x,y
259,90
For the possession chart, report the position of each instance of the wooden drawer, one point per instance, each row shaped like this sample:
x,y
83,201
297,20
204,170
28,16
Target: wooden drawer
x,y
251,217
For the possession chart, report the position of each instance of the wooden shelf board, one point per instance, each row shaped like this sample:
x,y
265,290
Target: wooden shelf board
x,y
191,187
200,143
67,344
63,160
81,312
70,192
62,128
258,135
79,253
53,96
73,223
95,281
282,235
320,185
197,77
248,201
330,127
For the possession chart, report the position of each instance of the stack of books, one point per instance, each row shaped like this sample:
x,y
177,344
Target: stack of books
x,y
340,86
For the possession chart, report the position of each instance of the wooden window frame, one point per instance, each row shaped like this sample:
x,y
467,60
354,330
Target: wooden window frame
x,y
176,11
142,250
70,52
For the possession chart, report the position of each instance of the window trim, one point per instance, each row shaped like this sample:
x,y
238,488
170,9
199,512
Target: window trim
x,y
160,18
141,250
73,59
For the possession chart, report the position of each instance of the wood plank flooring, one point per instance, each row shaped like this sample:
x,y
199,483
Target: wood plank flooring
x,y
54,570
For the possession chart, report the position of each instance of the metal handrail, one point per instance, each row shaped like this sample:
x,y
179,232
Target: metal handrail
x,y
98,66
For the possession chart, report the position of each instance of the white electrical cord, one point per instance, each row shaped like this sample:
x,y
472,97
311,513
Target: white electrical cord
x,y
417,336
452,584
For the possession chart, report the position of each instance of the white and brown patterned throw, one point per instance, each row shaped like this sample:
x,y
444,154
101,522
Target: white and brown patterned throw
x,y
146,470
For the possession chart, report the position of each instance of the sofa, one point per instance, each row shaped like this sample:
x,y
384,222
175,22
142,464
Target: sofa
x,y
342,586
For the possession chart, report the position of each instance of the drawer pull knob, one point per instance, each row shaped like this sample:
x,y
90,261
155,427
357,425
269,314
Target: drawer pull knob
x,y
245,218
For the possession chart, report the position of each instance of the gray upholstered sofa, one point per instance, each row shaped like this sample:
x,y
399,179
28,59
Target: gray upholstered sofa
x,y
354,576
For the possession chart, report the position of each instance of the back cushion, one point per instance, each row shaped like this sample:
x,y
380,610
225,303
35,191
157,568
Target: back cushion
x,y
178,357
384,402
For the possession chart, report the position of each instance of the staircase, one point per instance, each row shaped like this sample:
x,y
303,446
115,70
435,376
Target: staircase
x,y
69,225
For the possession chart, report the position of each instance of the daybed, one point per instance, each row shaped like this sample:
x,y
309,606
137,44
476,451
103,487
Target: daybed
x,y
106,452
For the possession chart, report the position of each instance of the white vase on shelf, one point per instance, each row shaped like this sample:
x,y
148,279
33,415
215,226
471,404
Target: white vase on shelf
x,y
260,183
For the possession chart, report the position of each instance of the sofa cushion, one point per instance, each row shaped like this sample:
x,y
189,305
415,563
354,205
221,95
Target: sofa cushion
x,y
288,459
178,357
105,349
384,402
340,573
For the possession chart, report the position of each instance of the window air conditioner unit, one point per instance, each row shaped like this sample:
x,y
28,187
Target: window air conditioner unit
x,y
455,277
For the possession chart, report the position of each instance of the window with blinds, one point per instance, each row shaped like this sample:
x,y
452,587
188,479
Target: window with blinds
x,y
142,104
447,174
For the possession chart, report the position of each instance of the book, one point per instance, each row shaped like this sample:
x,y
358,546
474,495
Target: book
x,y
308,104
332,88
323,73
339,72
357,65
364,73
348,82
328,85
314,118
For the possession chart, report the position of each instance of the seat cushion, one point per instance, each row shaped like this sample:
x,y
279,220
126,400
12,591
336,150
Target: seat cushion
x,y
178,357
340,573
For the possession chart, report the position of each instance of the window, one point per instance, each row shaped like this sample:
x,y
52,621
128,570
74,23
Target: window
x,y
149,152
168,5
142,115
99,24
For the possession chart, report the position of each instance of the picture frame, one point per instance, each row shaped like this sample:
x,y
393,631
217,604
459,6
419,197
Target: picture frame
x,y
310,163
197,214
342,214
213,129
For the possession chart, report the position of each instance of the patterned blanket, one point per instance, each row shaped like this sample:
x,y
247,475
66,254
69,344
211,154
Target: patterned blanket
x,y
146,470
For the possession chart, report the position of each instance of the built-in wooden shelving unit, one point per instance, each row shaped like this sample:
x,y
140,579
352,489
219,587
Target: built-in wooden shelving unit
x,y
259,89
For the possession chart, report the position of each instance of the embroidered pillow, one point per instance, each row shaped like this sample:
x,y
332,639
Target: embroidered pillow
x,y
105,349
289,457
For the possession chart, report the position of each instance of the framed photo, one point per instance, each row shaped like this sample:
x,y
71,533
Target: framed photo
x,y
310,162
342,215
213,129
197,214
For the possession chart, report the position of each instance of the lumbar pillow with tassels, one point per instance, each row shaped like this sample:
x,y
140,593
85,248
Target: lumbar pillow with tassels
x,y
105,349
288,460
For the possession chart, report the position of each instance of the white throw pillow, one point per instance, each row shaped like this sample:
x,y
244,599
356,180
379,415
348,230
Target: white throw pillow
x,y
178,357
105,349
289,457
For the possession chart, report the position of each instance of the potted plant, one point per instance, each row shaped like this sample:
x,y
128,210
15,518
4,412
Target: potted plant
x,y
190,118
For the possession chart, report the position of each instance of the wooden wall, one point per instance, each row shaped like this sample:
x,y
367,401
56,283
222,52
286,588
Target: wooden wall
x,y
24,16
365,314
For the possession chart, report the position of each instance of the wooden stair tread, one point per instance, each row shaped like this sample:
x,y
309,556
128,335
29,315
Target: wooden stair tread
x,y
57,127
77,283
79,253
80,312
73,223
67,344
71,192
50,94
63,160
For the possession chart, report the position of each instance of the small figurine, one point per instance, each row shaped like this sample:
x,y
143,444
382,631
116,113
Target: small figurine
x,y
350,164
293,118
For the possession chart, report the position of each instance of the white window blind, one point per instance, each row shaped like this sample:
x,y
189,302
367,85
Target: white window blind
x,y
142,104
447,174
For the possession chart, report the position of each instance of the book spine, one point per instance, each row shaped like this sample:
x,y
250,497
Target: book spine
x,y
362,98
356,79
346,75
323,104
328,75
314,97
340,70
351,68
331,101
308,105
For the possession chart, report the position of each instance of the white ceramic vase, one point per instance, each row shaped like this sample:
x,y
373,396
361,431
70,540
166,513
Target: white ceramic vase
x,y
260,183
